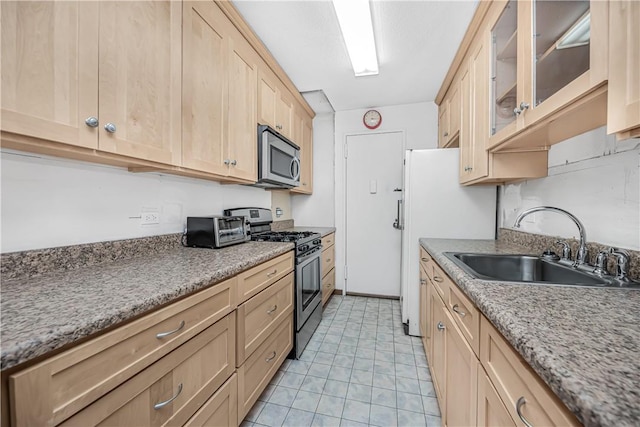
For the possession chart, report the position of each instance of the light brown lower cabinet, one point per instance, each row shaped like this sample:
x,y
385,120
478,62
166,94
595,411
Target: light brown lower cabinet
x,y
171,390
173,366
491,410
221,409
327,267
254,375
490,387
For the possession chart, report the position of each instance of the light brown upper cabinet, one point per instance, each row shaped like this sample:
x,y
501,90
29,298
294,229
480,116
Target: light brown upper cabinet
x,y
50,70
548,66
624,68
140,76
303,137
275,104
449,118
100,75
219,95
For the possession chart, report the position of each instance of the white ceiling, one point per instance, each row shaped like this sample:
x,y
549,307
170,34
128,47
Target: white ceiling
x,y
415,40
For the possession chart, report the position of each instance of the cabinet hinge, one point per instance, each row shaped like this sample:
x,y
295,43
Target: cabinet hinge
x,y
345,272
345,150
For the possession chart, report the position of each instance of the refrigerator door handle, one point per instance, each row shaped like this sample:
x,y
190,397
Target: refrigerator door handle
x,y
397,224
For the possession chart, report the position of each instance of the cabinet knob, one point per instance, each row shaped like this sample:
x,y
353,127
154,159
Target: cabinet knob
x,y
234,162
440,326
92,122
110,127
227,161
446,134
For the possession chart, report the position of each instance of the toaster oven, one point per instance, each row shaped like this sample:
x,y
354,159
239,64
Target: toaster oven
x,y
217,231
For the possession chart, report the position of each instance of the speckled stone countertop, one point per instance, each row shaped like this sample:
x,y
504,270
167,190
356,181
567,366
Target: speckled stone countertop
x,y
322,230
584,343
44,313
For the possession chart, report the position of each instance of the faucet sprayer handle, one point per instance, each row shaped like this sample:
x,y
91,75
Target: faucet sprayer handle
x,y
622,262
566,249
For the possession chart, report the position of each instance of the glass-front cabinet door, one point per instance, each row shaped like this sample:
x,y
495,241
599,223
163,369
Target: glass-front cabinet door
x,y
557,50
561,39
504,70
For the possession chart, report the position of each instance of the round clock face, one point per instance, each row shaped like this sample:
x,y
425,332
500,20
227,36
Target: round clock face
x,y
372,119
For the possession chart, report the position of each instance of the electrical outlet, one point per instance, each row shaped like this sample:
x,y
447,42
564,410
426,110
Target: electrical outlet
x,y
150,218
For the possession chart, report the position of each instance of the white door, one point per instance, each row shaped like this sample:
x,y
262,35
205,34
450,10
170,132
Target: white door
x,y
374,172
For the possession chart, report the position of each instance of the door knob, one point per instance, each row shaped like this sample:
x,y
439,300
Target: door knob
x,y
110,127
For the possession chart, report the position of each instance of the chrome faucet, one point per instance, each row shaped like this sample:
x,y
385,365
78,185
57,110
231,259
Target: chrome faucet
x,y
581,256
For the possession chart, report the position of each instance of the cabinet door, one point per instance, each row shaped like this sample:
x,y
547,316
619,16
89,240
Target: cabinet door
x,y
267,95
624,66
50,70
461,378
140,74
284,112
439,348
204,94
243,75
479,75
491,410
422,323
306,157
454,112
466,149
443,123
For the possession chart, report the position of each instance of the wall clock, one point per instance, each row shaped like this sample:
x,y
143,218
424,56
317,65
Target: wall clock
x,y
372,119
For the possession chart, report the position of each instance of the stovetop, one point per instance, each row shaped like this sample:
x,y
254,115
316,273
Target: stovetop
x,y
284,236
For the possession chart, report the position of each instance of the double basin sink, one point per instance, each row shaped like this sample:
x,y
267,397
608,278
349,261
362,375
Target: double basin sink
x,y
530,269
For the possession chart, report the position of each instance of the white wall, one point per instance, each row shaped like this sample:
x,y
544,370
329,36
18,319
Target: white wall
x,y
418,122
318,209
49,202
592,176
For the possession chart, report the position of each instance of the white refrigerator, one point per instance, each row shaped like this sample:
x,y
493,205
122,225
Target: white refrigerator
x,y
435,205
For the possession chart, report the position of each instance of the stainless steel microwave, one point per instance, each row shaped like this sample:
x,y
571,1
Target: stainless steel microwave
x,y
278,160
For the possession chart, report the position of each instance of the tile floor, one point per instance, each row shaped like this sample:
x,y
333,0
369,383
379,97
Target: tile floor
x,y
358,369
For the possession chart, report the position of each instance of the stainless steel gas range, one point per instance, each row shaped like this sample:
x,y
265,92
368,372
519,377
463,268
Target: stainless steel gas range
x,y
308,291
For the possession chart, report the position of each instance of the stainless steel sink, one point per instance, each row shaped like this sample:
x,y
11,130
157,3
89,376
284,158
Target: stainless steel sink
x,y
527,269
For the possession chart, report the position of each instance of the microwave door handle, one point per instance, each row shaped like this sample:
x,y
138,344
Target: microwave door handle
x,y
297,162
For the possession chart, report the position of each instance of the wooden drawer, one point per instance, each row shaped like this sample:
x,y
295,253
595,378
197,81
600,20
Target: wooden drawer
x,y
254,375
256,279
465,314
261,314
426,261
183,380
440,280
328,240
73,379
221,409
328,285
514,380
328,260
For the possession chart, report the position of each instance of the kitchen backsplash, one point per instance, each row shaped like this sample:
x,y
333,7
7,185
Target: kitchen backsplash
x,y
53,260
539,243
282,225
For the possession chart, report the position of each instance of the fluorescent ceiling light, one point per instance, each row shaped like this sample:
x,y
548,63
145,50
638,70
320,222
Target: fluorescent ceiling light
x,y
578,35
354,17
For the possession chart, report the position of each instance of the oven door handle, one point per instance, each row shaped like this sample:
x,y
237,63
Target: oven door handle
x,y
309,256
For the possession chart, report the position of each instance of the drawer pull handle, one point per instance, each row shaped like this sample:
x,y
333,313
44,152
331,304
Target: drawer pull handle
x,y
457,310
328,259
270,358
425,259
166,402
275,307
519,406
423,282
273,273
437,279
166,334
440,326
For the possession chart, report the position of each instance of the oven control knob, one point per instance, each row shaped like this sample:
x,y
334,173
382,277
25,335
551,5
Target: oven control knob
x,y
317,242
304,247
